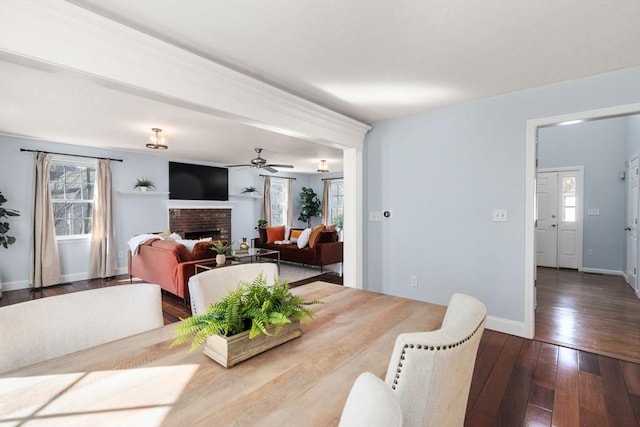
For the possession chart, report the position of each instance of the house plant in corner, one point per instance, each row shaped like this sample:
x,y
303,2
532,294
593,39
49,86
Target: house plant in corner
x,y
249,320
309,205
5,239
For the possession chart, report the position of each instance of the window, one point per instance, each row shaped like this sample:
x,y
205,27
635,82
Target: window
x,y
336,200
72,186
279,201
569,199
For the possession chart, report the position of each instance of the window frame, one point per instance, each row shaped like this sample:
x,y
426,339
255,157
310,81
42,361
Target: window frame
x,y
331,200
72,161
285,183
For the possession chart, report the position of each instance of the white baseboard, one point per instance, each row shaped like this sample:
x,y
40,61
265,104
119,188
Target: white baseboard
x,y
506,326
74,277
603,271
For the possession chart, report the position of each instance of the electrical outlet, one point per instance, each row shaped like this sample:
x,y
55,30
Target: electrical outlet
x,y
589,251
413,281
120,254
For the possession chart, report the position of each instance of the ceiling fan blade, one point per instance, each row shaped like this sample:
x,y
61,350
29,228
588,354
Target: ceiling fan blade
x,y
281,166
235,166
268,168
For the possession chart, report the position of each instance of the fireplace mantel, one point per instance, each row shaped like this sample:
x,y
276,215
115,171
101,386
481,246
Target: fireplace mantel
x,y
199,204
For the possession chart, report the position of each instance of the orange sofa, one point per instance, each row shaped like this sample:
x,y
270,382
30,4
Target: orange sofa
x,y
169,264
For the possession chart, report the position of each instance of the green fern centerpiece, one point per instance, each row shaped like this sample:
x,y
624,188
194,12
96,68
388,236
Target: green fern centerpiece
x,y
253,307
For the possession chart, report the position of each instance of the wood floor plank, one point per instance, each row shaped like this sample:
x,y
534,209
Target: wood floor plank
x,y
536,416
588,362
485,361
516,397
631,373
545,374
495,386
618,405
592,406
566,403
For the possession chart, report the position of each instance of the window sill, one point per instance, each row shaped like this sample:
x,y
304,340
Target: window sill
x,y
64,240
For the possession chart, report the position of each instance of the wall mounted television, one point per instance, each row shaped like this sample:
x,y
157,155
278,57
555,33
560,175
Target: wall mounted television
x,y
198,182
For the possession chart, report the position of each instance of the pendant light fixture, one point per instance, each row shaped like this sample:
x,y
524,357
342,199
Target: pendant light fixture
x,y
157,142
323,166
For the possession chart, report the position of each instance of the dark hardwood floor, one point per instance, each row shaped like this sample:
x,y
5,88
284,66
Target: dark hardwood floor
x,y
590,312
516,382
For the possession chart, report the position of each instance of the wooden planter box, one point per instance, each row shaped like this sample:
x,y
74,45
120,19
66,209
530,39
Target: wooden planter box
x,y
229,351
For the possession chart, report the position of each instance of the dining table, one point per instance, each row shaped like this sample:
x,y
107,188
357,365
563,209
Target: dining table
x,y
143,380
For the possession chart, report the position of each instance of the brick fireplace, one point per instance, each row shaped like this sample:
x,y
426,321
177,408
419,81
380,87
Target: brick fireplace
x,y
197,223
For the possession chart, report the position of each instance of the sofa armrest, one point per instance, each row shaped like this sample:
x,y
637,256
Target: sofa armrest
x,y
184,271
329,253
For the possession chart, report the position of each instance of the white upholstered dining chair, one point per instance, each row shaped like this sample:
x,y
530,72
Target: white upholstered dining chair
x,y
430,372
371,403
44,328
207,287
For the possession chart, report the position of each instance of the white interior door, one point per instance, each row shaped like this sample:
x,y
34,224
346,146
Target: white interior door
x,y
559,229
547,225
632,224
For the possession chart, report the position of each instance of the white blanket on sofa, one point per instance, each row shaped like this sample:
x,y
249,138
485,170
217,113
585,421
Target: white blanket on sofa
x,y
135,242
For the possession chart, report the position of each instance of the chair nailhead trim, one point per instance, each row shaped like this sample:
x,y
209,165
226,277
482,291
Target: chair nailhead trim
x,y
430,348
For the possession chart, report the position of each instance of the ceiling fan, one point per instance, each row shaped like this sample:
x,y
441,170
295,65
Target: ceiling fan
x,y
261,163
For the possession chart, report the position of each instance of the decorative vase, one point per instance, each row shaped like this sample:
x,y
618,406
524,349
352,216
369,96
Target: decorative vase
x,y
244,246
229,351
221,259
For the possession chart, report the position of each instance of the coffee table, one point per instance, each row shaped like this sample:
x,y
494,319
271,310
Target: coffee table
x,y
251,255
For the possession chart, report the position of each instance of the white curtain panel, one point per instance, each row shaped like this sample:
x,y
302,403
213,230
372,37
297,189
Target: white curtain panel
x,y
102,260
45,263
289,203
266,206
325,202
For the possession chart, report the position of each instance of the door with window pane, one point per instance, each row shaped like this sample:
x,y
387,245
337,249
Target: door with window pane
x,y
559,232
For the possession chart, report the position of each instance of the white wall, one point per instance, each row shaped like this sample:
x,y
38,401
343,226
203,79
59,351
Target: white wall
x,y
442,173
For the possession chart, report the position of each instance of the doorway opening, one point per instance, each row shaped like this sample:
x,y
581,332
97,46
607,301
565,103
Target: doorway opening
x,y
533,127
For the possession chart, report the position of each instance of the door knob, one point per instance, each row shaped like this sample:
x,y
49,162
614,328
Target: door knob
x,y
553,225
627,228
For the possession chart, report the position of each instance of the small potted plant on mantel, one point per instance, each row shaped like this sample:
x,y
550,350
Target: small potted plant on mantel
x,y
249,320
144,184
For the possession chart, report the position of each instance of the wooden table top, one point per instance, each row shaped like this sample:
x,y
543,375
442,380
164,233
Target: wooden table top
x,y
140,381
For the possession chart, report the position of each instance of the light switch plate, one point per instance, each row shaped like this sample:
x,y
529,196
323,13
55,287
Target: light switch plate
x,y
593,211
499,215
375,216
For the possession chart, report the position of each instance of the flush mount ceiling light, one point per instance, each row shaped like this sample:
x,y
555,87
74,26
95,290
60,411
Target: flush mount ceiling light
x,y
323,166
157,142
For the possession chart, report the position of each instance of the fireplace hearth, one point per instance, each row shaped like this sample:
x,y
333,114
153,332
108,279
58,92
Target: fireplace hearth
x,y
204,234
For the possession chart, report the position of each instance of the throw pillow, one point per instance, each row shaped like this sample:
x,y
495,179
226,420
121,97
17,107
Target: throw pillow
x,y
275,233
295,234
303,239
202,250
315,234
173,237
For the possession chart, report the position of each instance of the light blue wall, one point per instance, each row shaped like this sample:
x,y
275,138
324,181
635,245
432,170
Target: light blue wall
x,y
633,135
442,173
599,146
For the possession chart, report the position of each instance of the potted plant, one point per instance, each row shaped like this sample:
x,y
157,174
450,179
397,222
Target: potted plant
x,y
249,190
248,321
6,240
262,223
144,184
221,248
310,205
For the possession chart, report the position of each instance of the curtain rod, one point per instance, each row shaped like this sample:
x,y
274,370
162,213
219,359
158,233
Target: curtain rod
x,y
74,155
281,177
329,179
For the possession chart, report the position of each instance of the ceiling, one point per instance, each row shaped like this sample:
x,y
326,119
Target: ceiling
x,y
369,60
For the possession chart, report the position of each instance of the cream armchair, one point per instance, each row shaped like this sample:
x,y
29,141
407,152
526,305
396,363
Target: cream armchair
x,y
371,403
41,329
430,372
207,287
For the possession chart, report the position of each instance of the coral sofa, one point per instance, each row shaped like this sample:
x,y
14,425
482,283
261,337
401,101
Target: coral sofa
x,y
169,264
326,250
